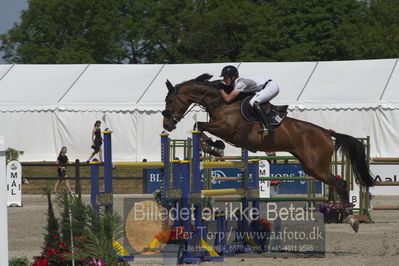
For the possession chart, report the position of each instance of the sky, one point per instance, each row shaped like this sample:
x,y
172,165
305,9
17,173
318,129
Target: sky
x,y
10,11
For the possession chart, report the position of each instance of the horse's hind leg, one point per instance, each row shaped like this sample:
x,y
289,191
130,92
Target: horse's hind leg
x,y
316,163
340,187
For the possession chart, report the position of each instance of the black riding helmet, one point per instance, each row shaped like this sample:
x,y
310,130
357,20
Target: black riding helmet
x,y
229,71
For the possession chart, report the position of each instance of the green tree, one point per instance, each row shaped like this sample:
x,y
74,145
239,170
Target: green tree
x,y
382,35
301,30
216,31
176,31
58,31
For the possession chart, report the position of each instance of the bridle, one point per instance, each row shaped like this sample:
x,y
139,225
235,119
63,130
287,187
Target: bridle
x,y
170,115
176,119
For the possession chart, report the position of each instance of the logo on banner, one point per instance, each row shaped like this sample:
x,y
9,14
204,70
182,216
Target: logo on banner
x,y
218,173
14,187
302,174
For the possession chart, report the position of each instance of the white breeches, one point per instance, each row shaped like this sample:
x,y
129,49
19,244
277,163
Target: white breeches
x,y
269,92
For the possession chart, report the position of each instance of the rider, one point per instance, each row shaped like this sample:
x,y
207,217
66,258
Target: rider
x,y
264,89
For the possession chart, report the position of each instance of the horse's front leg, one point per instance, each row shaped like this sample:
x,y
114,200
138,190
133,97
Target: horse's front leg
x,y
214,148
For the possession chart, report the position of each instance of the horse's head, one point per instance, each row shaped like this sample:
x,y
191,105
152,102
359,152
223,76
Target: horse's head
x,y
179,98
176,105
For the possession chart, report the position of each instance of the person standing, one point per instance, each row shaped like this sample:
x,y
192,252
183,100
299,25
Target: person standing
x,y
97,141
62,162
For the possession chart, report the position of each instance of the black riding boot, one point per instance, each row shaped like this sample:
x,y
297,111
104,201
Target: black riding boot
x,y
262,117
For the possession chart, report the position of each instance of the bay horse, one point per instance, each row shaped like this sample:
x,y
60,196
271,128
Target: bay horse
x,y
312,145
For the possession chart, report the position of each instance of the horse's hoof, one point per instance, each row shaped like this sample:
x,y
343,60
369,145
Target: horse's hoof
x,y
205,147
215,153
354,223
219,145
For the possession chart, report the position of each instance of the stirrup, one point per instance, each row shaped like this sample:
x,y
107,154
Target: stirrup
x,y
264,131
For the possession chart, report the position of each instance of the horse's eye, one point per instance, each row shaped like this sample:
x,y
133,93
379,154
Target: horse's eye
x,y
166,114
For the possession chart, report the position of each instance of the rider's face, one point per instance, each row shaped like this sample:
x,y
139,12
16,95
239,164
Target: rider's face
x,y
228,80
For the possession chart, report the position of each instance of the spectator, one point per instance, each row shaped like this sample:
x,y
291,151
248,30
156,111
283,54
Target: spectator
x,y
62,162
97,141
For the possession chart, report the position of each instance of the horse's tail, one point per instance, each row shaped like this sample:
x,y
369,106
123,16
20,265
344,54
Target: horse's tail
x,y
355,150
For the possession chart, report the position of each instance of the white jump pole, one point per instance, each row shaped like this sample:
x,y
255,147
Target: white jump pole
x,y
3,205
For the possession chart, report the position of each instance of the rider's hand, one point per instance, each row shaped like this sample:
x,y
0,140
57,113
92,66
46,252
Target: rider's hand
x,y
224,87
220,86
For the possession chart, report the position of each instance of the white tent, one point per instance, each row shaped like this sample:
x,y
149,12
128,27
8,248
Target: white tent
x,y
45,107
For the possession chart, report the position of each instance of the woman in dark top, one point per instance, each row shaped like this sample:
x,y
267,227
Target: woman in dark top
x,y
97,141
62,162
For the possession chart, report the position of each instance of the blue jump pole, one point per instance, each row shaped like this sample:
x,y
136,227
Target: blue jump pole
x,y
104,197
185,185
242,225
108,167
178,203
220,239
165,158
94,187
200,235
254,173
196,174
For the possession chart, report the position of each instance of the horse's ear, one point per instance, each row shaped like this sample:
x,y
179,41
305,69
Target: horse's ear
x,y
203,78
170,86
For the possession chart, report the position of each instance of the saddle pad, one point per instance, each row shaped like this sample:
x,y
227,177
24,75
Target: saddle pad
x,y
274,118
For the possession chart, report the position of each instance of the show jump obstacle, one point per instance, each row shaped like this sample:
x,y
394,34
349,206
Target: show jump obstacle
x,y
184,189
182,185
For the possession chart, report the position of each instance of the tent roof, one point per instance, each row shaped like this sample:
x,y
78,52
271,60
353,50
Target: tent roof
x,y
350,84
112,84
390,95
304,85
37,86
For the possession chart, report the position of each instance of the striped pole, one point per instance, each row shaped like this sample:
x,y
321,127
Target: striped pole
x,y
165,157
386,207
195,162
94,186
222,192
141,165
108,165
388,183
185,185
196,175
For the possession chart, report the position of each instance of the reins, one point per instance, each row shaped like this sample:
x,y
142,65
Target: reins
x,y
196,103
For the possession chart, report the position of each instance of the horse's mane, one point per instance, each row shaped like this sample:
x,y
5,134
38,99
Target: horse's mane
x,y
203,78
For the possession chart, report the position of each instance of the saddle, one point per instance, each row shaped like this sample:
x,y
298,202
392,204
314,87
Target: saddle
x,y
275,114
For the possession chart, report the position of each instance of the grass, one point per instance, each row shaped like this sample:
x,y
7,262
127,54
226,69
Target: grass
x,y
119,186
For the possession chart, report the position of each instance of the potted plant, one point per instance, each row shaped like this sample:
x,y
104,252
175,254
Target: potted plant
x,y
265,227
333,212
172,240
